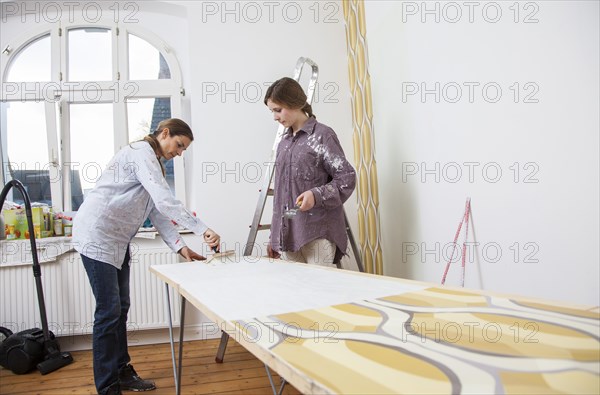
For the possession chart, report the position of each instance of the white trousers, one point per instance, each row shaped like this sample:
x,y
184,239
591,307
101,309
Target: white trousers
x,y
317,252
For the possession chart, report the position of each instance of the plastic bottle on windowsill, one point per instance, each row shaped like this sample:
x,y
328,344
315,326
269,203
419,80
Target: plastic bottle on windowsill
x,y
2,227
58,225
67,225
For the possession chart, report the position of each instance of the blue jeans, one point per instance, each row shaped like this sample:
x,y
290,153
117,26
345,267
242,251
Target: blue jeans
x,y
111,290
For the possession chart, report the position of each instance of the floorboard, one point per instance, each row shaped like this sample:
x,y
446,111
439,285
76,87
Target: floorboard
x,y
241,372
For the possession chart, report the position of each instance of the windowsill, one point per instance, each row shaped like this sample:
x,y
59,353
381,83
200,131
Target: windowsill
x,y
151,233
17,252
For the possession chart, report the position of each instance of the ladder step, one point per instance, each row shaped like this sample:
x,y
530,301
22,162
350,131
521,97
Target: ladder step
x,y
270,191
263,226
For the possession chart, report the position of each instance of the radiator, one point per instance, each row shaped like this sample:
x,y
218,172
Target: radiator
x,y
69,299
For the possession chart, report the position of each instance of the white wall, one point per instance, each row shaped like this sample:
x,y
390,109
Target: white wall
x,y
550,207
233,63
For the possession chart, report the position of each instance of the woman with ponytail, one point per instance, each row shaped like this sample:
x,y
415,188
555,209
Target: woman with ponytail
x,y
312,175
130,189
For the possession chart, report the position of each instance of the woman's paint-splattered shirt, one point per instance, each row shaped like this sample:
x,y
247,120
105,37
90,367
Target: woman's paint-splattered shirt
x,y
313,160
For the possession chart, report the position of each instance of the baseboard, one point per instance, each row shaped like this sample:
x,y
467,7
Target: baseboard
x,y
149,336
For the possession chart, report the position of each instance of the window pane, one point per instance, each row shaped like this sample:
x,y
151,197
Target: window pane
x,y
90,54
32,63
27,150
139,118
145,61
92,146
143,116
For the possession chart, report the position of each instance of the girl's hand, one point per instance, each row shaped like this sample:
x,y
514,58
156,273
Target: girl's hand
x,y
305,201
271,253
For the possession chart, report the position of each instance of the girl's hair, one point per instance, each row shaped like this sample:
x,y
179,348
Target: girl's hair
x,y
176,128
288,92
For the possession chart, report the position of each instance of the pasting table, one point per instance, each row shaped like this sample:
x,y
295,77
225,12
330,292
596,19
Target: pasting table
x,y
333,331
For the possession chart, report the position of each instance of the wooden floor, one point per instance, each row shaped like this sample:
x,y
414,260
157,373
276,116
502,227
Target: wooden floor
x,y
240,373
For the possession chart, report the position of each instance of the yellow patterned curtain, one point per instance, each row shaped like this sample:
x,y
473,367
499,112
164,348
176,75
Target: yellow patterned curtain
x,y
363,136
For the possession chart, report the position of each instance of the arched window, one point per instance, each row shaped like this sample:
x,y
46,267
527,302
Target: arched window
x,y
73,95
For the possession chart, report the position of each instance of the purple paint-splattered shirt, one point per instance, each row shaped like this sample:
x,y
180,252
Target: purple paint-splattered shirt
x,y
313,160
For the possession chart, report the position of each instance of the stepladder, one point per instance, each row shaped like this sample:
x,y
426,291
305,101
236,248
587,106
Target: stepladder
x,y
267,191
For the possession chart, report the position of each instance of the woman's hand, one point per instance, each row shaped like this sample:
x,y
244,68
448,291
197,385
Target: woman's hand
x,y
211,238
305,201
271,253
190,255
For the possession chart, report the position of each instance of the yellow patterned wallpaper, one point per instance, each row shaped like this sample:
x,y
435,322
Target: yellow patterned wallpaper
x,y
436,341
364,148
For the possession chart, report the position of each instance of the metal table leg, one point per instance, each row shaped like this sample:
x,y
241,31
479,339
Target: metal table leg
x,y
171,338
176,371
283,382
181,330
222,347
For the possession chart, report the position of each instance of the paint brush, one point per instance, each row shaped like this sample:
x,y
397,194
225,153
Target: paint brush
x,y
219,255
291,212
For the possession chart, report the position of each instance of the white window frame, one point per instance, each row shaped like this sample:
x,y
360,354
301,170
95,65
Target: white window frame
x,y
64,92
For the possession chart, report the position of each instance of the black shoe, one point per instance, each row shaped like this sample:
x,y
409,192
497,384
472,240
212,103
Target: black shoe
x,y
130,381
113,390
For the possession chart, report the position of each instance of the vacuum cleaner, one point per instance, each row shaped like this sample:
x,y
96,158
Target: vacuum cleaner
x,y
23,351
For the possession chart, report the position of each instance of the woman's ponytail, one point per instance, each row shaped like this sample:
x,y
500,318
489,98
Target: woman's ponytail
x,y
308,110
153,141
